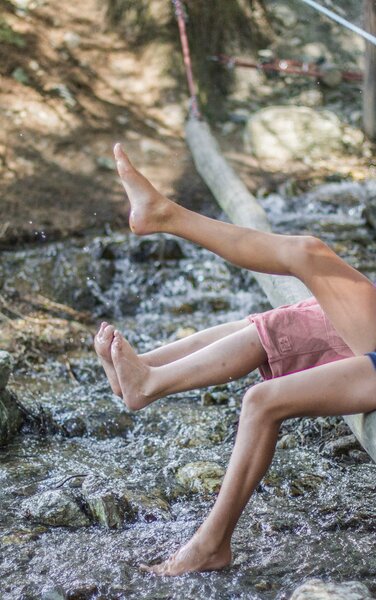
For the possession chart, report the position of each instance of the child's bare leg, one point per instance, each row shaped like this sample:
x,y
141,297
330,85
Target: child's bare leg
x,y
343,387
348,298
165,354
175,350
228,358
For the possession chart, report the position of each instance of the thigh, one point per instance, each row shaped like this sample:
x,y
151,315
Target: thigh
x,y
347,297
344,387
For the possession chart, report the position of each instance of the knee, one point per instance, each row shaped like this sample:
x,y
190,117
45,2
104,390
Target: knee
x,y
261,402
307,251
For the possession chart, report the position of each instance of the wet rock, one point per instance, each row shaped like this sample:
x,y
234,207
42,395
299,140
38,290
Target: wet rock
x,y
75,410
183,332
341,446
330,75
108,506
214,398
56,508
311,98
149,507
72,39
20,75
5,368
344,193
285,15
161,249
82,591
100,425
66,275
112,504
315,51
105,163
315,589
11,417
287,441
201,477
370,210
178,307
282,133
54,593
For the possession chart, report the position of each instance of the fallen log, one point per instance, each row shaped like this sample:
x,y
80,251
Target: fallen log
x,y
242,208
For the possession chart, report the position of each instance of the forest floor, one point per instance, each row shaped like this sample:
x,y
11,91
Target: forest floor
x,y
71,88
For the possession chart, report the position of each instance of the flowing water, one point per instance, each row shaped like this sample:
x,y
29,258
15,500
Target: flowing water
x,y
89,490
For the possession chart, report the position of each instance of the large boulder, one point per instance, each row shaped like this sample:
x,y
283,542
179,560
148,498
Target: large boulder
x,y
285,133
11,416
315,589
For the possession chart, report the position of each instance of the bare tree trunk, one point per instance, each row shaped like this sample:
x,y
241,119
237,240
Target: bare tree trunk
x,y
369,89
243,209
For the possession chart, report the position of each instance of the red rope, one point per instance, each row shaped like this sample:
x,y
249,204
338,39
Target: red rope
x,y
187,58
296,67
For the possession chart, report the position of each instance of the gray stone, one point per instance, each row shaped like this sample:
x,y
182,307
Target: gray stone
x,y
55,593
112,504
344,193
370,211
72,39
287,441
5,368
314,589
311,98
330,75
201,477
75,411
315,51
214,398
157,249
108,506
285,15
283,133
341,446
11,417
55,508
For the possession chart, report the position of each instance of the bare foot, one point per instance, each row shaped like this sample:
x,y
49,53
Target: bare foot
x,y
195,555
102,345
150,211
133,375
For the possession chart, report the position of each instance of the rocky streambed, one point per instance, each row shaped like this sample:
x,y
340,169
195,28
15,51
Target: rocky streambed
x,y
90,490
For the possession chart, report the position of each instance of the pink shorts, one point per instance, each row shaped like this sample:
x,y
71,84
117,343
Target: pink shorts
x,y
297,337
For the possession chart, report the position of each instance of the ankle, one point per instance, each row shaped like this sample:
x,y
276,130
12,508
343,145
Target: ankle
x,y
213,540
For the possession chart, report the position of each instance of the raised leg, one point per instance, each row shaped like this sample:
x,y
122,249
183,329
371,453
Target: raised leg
x,y
344,387
348,298
165,354
180,348
228,358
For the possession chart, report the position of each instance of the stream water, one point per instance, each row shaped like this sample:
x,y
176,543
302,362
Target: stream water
x,y
90,490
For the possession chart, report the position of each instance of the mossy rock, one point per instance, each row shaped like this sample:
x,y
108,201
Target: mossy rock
x,y
11,417
56,508
111,503
201,477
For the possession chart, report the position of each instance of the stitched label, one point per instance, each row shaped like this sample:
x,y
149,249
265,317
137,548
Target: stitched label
x,y
284,344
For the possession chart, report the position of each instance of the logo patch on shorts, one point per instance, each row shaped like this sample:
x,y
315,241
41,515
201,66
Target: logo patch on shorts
x,y
284,344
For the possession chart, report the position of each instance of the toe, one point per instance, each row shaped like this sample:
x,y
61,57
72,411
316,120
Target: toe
x,y
122,161
108,333
101,327
116,343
